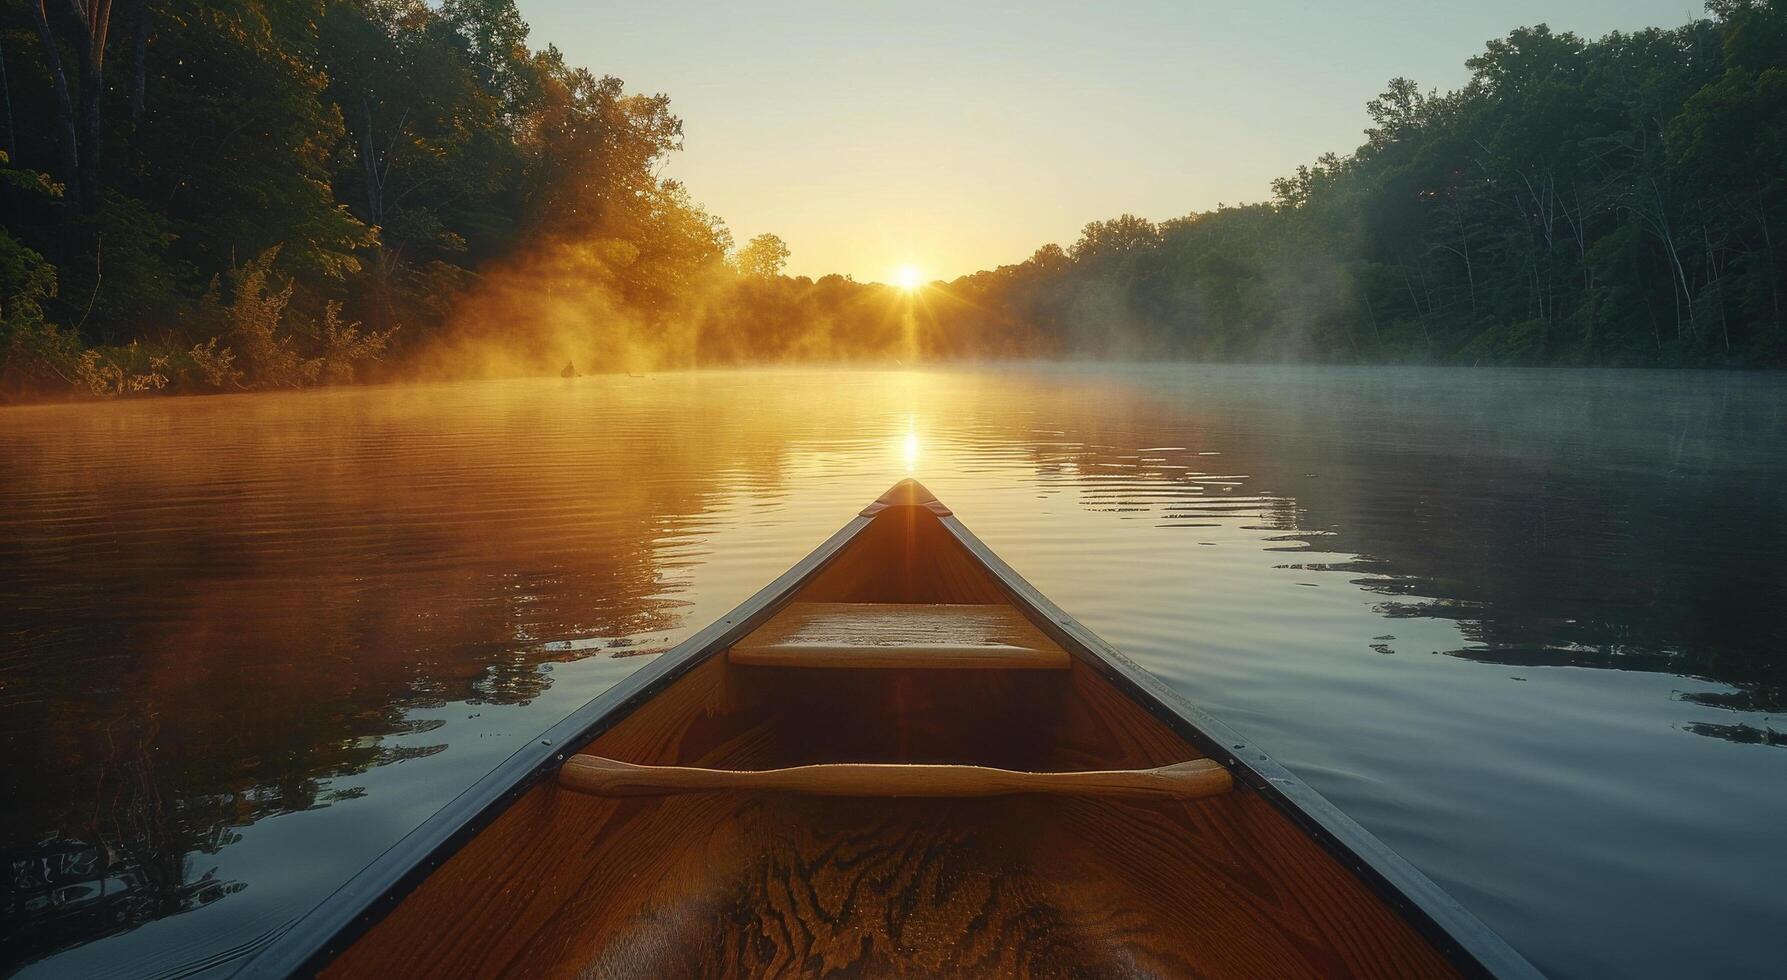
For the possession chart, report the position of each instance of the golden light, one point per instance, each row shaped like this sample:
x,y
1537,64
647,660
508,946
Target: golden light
x,y
910,447
908,277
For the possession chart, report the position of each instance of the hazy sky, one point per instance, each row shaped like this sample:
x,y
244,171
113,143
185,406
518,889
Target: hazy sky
x,y
960,135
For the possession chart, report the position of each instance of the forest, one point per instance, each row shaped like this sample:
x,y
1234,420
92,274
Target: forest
x,y
1610,202
202,196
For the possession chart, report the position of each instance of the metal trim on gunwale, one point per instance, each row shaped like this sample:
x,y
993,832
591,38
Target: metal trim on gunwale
x,y
907,493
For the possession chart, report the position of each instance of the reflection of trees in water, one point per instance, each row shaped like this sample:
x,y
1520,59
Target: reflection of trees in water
x,y
1743,734
136,856
172,685
1668,575
1625,551
89,860
124,850
135,865
68,891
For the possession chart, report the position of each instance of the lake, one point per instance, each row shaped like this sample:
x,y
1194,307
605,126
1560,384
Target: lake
x,y
1527,627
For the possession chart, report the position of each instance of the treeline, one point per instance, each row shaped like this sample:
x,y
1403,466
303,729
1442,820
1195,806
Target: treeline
x,y
207,196
198,196
1619,201
211,195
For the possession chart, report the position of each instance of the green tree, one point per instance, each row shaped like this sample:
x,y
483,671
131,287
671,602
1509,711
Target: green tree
x,y
763,257
1731,136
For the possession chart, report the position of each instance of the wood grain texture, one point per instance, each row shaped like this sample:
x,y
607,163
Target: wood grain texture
x,y
879,890
735,885
883,635
568,885
609,777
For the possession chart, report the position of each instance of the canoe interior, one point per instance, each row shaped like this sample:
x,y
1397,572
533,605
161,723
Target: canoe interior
x,y
723,884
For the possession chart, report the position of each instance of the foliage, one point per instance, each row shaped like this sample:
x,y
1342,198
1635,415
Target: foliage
x,y
122,371
216,368
762,257
34,355
346,346
373,156
1608,202
266,344
251,321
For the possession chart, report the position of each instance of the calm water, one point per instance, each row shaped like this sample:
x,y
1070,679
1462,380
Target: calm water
x,y
1527,627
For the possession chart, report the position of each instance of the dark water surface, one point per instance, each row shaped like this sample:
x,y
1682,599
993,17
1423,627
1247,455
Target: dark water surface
x,y
1526,627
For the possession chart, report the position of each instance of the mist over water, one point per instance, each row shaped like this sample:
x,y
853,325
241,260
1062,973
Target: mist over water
x,y
1522,625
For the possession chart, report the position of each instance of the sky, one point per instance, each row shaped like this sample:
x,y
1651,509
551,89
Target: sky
x,y
955,136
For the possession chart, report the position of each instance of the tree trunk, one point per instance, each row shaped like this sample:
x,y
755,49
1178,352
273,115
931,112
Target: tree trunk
x,y
11,148
139,58
1659,222
1768,244
1376,336
375,196
65,118
1712,269
96,17
375,215
1649,308
1420,318
1687,291
92,82
1464,237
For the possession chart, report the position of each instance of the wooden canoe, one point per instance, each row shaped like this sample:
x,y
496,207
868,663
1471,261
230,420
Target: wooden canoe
x,y
898,759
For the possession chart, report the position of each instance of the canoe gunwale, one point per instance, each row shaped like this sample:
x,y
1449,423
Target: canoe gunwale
x,y
308,944
311,941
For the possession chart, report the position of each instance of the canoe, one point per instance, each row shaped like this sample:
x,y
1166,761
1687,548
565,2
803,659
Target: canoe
x,y
898,759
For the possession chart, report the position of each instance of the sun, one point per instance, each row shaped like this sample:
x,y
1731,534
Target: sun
x,y
908,277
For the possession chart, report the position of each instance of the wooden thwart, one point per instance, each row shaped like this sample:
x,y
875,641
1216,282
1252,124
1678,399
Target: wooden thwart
x,y
891,635
608,777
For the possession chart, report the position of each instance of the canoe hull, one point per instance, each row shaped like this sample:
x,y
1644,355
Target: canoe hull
x,y
519,876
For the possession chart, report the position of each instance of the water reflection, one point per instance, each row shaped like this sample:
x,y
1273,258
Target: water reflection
x,y
221,611
217,609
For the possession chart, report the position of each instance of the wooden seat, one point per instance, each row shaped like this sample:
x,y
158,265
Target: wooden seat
x,y
899,635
